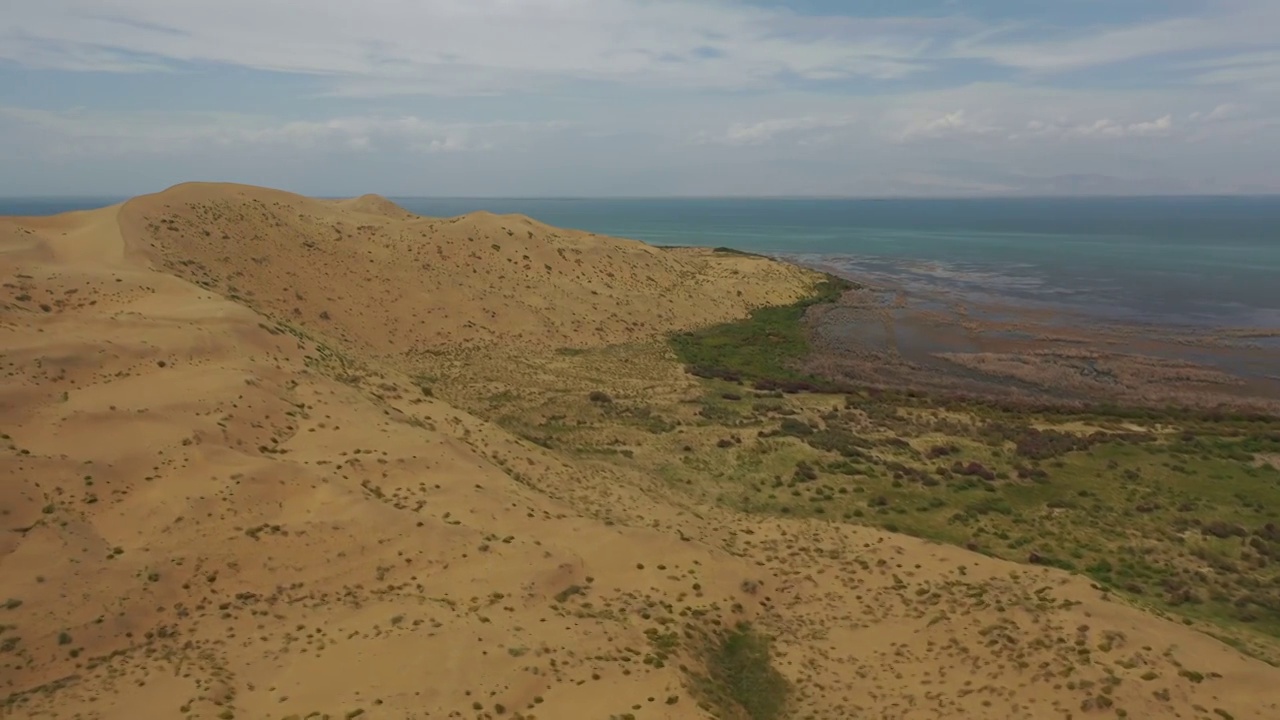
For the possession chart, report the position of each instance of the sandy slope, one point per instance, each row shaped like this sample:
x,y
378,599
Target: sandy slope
x,y
389,284
206,512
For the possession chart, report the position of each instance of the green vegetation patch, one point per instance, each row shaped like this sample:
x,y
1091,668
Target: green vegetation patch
x,y
741,680
764,348
734,251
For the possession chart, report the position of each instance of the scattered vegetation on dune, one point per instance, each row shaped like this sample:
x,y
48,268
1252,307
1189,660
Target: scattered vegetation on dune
x,y
1184,520
1176,510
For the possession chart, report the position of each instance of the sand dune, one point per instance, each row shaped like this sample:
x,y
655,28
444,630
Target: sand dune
x,y
224,494
387,283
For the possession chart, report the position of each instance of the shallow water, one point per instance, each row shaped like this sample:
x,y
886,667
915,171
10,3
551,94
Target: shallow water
x,y
917,340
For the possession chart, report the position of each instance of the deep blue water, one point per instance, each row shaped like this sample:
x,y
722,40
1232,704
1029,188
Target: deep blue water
x,y
1182,261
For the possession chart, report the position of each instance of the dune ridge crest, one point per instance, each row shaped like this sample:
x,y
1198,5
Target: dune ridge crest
x,y
227,490
385,281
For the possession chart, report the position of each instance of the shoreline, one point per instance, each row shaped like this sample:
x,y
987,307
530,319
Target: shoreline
x,y
902,337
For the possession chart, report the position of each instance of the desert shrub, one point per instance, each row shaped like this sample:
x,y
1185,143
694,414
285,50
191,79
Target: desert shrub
x,y
805,472
988,505
794,427
1223,529
838,440
973,469
1036,444
938,451
1038,558
1044,444
717,413
903,472
710,372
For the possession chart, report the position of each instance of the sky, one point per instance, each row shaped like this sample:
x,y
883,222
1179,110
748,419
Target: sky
x,y
581,98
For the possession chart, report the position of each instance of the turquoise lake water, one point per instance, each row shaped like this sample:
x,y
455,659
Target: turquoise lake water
x,y
1207,262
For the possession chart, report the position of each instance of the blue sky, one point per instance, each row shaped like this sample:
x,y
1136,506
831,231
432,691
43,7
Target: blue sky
x,y
642,97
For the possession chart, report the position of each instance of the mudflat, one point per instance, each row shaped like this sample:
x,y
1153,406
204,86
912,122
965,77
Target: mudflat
x,y
887,335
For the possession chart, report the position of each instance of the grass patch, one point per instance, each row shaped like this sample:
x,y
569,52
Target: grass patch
x,y
734,251
765,347
741,680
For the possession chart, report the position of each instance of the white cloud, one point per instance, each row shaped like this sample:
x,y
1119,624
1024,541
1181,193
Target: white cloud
x,y
960,126
1159,127
1101,129
799,129
106,133
1225,111
1257,70
460,46
956,123
657,90
1222,25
